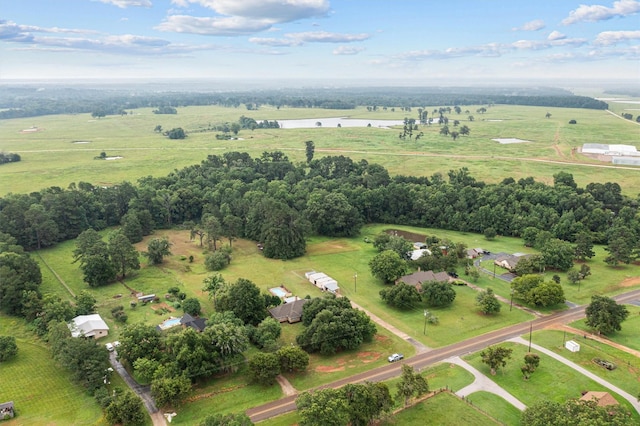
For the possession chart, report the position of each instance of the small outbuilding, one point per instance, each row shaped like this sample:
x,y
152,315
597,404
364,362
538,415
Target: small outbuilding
x,y
572,345
322,281
88,326
603,399
7,410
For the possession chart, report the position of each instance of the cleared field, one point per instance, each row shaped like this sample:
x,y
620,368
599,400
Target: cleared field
x,y
63,149
42,392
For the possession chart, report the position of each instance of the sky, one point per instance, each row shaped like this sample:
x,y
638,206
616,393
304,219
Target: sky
x,y
414,42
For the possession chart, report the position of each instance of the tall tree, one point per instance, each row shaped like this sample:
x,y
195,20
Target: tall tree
x,y
387,266
488,302
411,384
244,299
212,285
309,150
264,368
495,357
122,253
331,214
402,296
157,249
44,228
437,293
605,315
574,412
322,407
18,274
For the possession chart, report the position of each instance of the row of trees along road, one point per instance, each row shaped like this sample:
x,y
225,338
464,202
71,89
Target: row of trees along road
x,y
277,203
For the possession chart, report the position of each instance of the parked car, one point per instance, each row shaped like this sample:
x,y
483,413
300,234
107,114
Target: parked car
x,y
116,344
109,347
395,357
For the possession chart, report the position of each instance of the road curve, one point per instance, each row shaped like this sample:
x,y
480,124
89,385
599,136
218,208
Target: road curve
x,y
422,360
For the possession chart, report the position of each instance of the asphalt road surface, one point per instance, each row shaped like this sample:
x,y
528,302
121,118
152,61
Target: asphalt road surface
x,y
426,359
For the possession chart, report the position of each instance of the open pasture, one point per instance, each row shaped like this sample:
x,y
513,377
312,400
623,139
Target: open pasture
x,y
63,149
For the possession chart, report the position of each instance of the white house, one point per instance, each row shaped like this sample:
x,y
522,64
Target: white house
x,y
88,326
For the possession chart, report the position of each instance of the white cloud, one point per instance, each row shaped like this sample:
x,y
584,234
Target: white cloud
x,y
10,31
123,4
275,11
614,37
275,42
297,39
534,25
556,35
597,12
232,26
327,37
347,50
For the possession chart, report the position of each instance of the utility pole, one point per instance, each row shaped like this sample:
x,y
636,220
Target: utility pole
x,y
355,283
530,331
425,322
511,304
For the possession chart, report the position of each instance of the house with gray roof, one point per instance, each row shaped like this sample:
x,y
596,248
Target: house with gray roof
x,y
418,278
290,312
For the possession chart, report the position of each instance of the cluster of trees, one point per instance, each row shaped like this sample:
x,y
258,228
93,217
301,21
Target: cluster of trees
x,y
9,157
332,324
175,133
574,412
252,124
534,290
165,110
277,203
264,367
8,348
102,262
358,404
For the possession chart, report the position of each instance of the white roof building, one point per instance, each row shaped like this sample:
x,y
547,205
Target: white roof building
x,y
88,326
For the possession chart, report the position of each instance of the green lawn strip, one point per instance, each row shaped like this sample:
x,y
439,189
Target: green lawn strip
x,y
496,407
625,376
228,394
551,381
327,369
441,409
438,376
49,157
42,391
628,336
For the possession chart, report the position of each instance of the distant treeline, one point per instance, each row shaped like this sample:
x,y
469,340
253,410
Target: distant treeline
x,y
274,201
24,102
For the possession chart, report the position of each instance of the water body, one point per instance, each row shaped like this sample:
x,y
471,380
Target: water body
x,y
310,123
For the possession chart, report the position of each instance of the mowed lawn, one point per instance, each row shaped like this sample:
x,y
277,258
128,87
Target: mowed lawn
x,y
63,149
42,391
628,336
551,381
627,374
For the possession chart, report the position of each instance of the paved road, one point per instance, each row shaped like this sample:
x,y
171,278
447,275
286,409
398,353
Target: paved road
x,y
426,359
143,392
483,383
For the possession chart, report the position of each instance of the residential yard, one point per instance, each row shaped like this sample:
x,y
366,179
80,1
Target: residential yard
x,y
628,336
441,409
627,374
43,392
496,407
551,381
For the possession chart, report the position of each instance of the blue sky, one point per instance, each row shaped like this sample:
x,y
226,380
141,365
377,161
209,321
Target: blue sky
x,y
416,42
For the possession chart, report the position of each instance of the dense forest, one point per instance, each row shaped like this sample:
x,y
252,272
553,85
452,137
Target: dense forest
x,y
16,102
278,203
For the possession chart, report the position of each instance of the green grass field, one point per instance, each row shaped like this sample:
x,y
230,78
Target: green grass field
x,y
551,381
628,336
496,407
63,150
42,391
625,376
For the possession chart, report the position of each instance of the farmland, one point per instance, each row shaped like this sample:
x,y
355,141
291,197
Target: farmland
x,y
58,150
63,148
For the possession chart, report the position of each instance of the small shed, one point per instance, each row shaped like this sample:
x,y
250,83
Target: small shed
x,y
572,346
146,298
6,410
